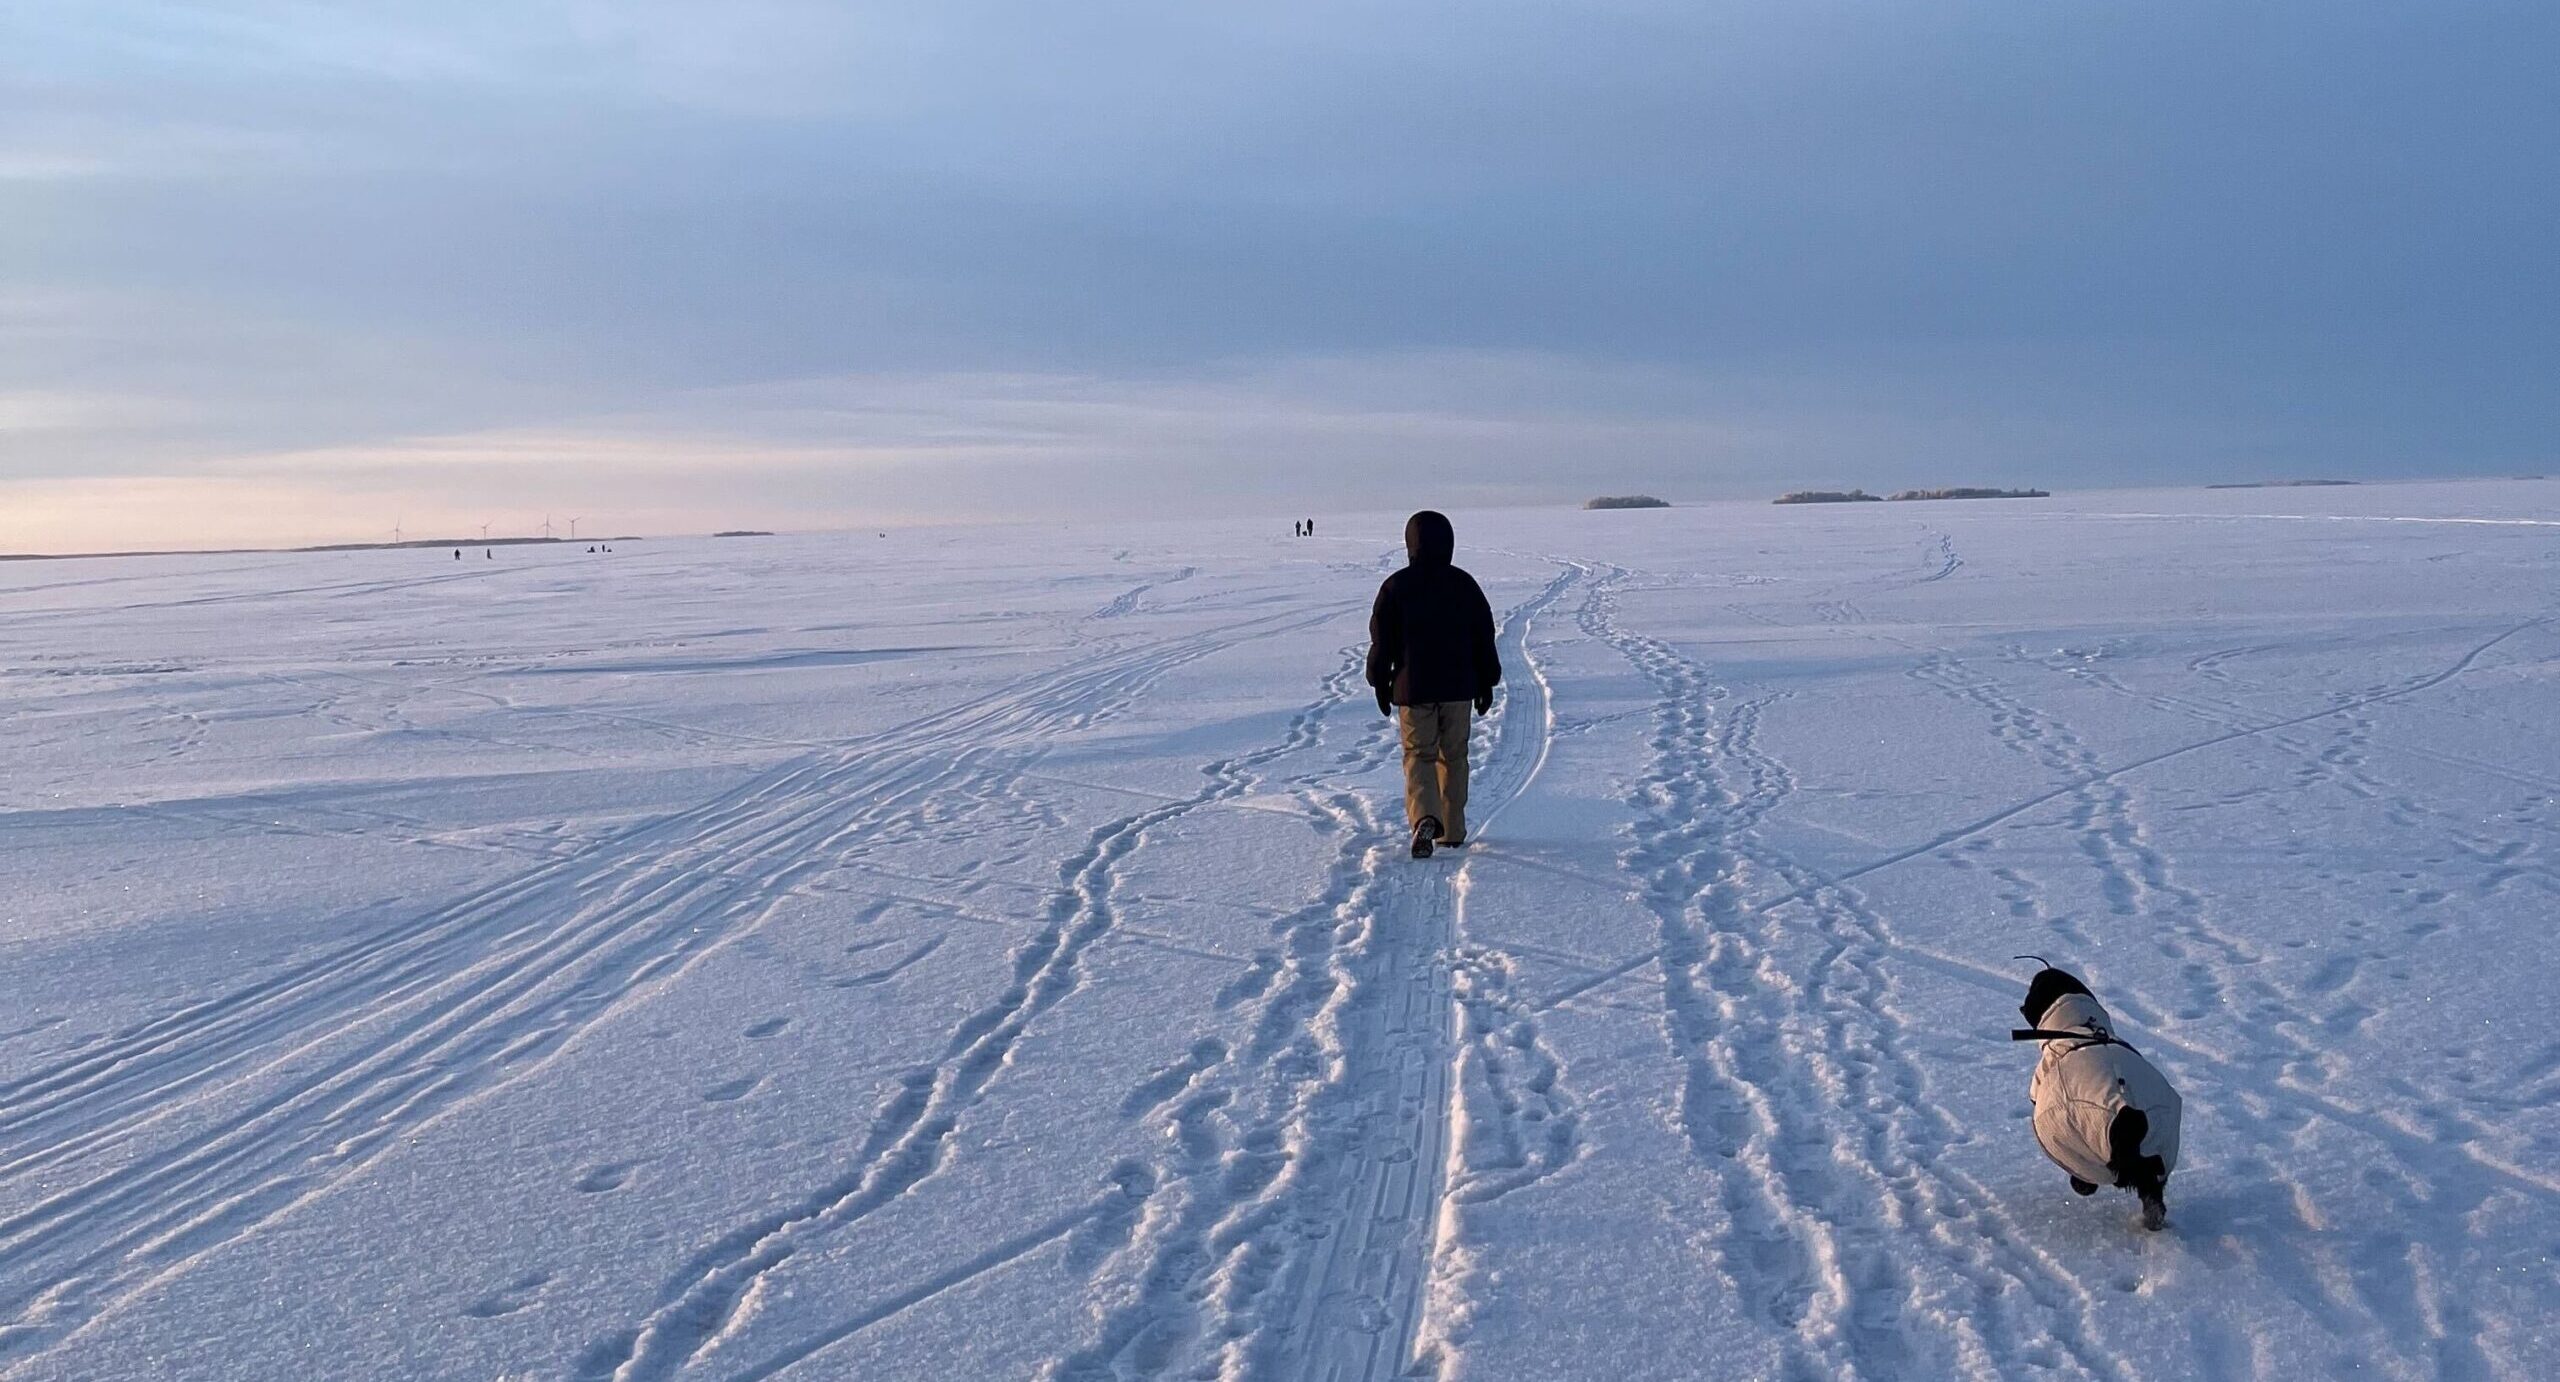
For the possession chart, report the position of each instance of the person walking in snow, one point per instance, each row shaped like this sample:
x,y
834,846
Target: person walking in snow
x,y
1431,660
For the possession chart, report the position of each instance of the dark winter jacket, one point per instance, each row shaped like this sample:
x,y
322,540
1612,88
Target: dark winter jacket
x,y
1431,632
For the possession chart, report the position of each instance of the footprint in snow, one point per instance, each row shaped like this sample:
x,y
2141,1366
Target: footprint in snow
x,y
595,1180
512,1297
730,1091
767,1028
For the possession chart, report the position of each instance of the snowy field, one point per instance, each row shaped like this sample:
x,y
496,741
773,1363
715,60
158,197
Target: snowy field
x,y
986,954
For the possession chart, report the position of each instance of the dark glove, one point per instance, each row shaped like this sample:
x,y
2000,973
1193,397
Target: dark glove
x,y
1385,707
1484,701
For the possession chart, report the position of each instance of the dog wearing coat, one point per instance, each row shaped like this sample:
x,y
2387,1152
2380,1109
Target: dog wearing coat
x,y
2104,1114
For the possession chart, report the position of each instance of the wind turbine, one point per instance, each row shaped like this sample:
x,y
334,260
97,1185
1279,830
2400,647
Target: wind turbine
x,y
484,530
546,527
395,530
573,527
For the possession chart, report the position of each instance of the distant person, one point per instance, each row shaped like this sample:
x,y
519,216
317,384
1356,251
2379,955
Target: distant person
x,y
1311,527
457,554
1432,657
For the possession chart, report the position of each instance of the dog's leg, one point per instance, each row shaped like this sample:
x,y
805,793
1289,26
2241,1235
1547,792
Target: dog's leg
x,y
2144,1175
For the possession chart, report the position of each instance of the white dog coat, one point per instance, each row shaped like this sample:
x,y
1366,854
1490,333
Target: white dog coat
x,y
2080,1087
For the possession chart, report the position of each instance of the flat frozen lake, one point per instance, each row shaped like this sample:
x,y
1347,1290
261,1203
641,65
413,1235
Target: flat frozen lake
x,y
989,953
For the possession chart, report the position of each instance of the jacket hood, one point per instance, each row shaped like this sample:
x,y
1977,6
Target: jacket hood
x,y
2048,985
1428,539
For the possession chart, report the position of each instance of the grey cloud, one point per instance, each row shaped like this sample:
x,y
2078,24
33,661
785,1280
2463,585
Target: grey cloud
x,y
2124,243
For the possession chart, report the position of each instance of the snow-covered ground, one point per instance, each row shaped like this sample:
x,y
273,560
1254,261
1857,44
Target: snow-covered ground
x,y
985,953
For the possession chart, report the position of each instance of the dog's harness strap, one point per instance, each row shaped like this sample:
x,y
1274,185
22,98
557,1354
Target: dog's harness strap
x,y
2086,1038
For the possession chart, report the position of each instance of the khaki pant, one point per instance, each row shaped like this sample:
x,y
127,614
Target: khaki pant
x,y
1435,764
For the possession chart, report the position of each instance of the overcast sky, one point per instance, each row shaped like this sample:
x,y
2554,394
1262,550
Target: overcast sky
x,y
290,272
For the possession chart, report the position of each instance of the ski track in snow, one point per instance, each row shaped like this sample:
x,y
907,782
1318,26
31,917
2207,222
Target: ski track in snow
x,y
335,1058
1295,1234
1133,599
911,1136
1359,1309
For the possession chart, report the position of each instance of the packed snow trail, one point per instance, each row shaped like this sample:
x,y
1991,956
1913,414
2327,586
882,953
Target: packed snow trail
x,y
993,954
1339,1102
1359,1300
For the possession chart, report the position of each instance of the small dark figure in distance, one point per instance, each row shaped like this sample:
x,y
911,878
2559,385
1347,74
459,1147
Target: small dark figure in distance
x,y
457,554
1311,527
2102,1112
1431,659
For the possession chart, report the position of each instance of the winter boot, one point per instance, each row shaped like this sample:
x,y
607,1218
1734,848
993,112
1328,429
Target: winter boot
x,y
1425,831
2082,1187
